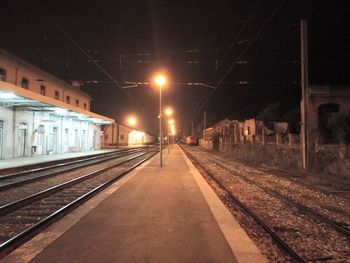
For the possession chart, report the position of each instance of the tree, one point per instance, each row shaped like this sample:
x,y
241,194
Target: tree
x,y
270,114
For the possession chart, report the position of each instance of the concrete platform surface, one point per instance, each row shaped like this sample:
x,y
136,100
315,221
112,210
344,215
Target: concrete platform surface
x,y
155,214
16,162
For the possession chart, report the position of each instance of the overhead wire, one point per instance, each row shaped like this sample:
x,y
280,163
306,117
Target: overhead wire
x,y
239,56
239,33
251,15
88,56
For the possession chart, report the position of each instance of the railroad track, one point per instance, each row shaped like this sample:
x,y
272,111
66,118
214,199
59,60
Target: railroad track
x,y
22,219
283,243
12,180
341,227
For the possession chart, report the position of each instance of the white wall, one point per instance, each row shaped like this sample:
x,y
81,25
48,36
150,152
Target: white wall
x,y
48,142
110,135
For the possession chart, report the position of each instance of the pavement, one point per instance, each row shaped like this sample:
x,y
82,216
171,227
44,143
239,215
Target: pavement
x,y
154,214
22,161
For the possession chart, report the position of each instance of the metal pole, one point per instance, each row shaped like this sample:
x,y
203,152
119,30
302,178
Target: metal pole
x,y
117,134
192,128
205,125
304,92
160,125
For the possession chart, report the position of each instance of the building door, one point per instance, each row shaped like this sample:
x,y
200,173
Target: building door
x,y
93,141
76,139
83,141
41,140
52,145
1,137
66,140
21,140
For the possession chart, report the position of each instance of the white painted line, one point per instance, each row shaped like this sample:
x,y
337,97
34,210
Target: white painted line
x,y
33,247
241,245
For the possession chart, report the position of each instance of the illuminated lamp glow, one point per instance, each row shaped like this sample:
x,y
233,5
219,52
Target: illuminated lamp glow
x,y
168,111
132,121
160,80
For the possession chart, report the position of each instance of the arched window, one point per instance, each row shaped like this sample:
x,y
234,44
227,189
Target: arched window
x,y
77,102
25,83
325,114
2,74
57,95
68,99
42,90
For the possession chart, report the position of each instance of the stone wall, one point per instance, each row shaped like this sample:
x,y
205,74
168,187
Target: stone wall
x,y
271,155
331,160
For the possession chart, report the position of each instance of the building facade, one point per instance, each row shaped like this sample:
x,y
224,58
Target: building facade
x,y
41,114
117,134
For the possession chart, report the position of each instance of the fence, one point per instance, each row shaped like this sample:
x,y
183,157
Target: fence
x,y
284,152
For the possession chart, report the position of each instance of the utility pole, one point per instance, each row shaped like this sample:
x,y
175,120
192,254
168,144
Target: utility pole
x,y
117,134
205,125
192,128
304,92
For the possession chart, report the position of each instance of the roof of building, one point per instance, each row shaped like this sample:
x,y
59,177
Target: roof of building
x,y
12,95
46,74
329,90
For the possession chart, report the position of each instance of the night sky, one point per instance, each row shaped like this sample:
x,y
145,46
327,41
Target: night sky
x,y
248,50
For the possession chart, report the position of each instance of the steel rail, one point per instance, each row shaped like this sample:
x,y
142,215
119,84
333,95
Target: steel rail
x,y
306,210
25,235
63,162
83,163
10,207
274,235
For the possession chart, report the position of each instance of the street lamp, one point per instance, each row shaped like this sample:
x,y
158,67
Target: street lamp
x,y
160,81
132,121
168,112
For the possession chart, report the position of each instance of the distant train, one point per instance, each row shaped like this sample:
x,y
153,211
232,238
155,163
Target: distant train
x,y
192,140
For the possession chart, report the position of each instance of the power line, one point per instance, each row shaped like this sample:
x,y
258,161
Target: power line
x,y
87,55
239,32
240,55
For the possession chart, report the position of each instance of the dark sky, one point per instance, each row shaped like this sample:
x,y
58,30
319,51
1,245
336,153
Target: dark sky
x,y
249,50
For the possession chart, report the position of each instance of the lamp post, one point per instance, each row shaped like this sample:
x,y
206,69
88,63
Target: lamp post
x,y
160,81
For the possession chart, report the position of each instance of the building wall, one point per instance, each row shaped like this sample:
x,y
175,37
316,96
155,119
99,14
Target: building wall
x,y
16,69
29,133
320,95
110,136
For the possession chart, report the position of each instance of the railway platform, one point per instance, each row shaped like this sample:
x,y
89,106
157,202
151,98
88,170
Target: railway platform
x,y
153,214
24,161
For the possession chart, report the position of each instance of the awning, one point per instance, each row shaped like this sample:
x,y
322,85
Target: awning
x,y
11,95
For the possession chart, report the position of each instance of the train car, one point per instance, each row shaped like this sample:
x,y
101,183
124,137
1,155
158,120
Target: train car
x,y
191,140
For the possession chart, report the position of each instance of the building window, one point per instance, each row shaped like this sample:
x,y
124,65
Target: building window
x,y
77,103
68,99
57,95
25,83
106,137
42,90
2,74
84,105
122,136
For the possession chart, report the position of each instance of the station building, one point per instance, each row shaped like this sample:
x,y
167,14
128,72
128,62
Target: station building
x,y
117,134
41,114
